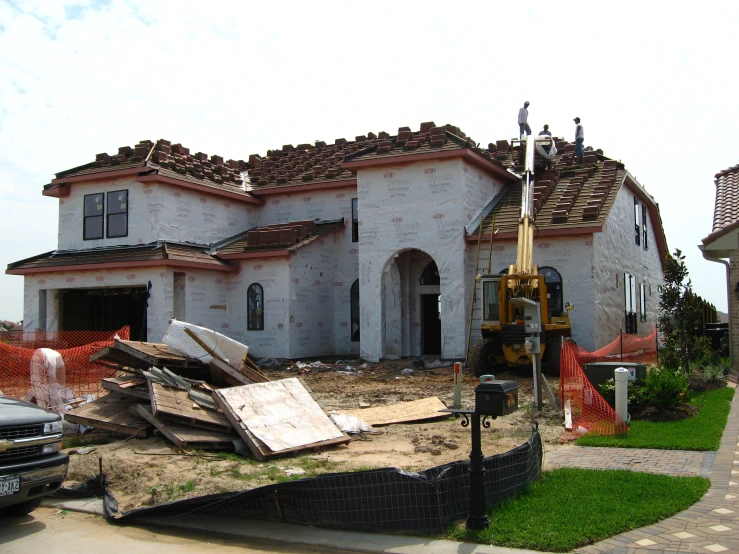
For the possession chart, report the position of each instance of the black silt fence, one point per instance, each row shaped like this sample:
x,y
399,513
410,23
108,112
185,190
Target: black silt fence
x,y
376,500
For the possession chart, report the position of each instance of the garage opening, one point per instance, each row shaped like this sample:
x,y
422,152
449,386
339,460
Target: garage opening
x,y
104,309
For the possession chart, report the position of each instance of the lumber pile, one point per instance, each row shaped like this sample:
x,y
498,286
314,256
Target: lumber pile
x,y
200,389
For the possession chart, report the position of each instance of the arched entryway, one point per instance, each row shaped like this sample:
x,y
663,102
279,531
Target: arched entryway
x,y
411,305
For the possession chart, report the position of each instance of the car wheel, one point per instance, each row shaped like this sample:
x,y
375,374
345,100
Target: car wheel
x,y
17,510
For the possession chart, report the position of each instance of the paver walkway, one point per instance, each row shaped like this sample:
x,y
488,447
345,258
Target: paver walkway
x,y
710,525
681,463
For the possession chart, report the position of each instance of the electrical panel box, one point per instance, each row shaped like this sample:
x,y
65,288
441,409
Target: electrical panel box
x,y
496,398
532,324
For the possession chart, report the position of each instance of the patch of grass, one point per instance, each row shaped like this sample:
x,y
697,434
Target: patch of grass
x,y
568,508
700,432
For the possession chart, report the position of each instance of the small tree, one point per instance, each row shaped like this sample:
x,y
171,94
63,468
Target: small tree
x,y
679,315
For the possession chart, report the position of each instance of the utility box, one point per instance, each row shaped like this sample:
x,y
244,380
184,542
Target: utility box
x,y
600,372
496,398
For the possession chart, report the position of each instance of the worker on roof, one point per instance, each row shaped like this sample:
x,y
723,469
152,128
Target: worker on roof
x,y
545,132
579,138
523,120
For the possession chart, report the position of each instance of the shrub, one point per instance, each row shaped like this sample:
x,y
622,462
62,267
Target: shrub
x,y
713,373
662,389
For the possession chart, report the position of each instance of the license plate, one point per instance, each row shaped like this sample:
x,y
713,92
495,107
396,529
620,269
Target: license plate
x,y
9,484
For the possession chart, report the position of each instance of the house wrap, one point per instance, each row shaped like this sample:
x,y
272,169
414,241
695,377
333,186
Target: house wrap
x,y
366,247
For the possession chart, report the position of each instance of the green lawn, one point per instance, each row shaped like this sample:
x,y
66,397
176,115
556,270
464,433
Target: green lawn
x,y
700,432
568,508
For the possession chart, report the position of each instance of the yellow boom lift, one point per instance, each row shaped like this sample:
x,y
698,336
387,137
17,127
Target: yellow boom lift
x,y
516,327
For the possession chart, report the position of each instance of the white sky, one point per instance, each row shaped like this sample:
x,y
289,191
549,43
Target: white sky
x,y
654,84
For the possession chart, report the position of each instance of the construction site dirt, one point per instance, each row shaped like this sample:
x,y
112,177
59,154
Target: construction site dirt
x,y
144,472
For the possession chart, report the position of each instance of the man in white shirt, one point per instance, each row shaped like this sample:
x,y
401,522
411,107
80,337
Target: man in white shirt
x,y
523,118
579,138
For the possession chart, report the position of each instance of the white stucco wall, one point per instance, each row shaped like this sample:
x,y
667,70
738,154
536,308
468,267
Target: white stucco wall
x,y
422,206
155,212
614,253
572,257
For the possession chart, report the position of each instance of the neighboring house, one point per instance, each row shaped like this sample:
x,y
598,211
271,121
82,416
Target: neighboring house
x,y
723,244
357,247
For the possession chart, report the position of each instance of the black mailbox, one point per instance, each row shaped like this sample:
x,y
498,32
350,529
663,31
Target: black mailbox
x,y
496,398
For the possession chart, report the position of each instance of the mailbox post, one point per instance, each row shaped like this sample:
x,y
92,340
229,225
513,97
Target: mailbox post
x,y
493,398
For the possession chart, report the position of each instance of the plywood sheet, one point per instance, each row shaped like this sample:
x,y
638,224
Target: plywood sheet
x,y
185,436
415,410
129,385
110,413
175,402
143,355
278,417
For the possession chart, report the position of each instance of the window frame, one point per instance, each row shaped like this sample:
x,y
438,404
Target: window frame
x,y
108,214
355,219
436,276
644,226
86,217
252,325
554,311
642,302
354,312
637,225
630,303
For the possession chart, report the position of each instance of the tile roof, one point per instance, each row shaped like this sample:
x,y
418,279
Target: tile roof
x,y
169,160
567,194
157,251
726,210
322,163
283,236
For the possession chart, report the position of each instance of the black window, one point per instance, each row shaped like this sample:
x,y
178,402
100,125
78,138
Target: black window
x,y
630,302
355,311
553,280
355,220
430,275
93,217
118,214
644,225
637,221
255,307
642,302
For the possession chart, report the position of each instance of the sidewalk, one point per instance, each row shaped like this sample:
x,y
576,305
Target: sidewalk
x,y
710,525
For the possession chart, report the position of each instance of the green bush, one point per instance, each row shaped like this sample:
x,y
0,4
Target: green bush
x,y
713,373
663,388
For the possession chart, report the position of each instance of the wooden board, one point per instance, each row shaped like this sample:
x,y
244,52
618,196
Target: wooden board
x,y
110,413
130,385
278,410
176,403
415,410
185,436
143,355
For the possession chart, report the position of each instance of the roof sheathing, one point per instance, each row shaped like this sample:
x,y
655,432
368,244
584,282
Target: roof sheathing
x,y
287,237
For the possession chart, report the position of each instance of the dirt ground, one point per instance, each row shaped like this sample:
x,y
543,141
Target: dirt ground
x,y
151,471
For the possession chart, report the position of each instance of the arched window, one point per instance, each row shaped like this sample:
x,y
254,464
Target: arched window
x,y
503,271
255,307
554,289
355,311
430,275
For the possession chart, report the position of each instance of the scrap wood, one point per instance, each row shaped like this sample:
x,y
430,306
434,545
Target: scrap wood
x,y
209,341
111,414
229,374
130,385
253,376
415,410
130,355
184,436
176,402
279,417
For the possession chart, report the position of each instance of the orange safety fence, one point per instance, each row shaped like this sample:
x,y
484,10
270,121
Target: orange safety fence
x,y
624,348
588,408
53,367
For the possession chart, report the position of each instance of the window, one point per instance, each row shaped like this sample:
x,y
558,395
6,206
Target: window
x,y
355,220
553,280
355,311
644,226
255,307
117,214
642,302
630,303
490,300
93,216
637,221
430,275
